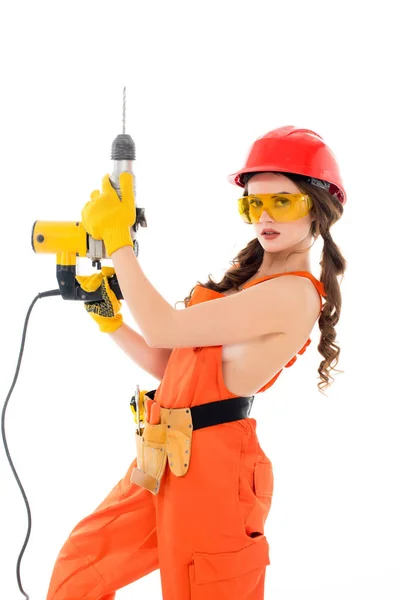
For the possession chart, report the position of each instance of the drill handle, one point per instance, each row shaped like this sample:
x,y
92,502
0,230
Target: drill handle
x,y
71,289
96,295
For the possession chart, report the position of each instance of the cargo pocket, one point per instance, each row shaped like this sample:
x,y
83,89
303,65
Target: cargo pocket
x,y
228,575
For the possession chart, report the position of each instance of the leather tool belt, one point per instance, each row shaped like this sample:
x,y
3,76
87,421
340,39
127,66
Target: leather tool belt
x,y
172,438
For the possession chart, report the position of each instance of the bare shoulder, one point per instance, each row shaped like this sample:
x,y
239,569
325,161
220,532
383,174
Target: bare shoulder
x,y
305,291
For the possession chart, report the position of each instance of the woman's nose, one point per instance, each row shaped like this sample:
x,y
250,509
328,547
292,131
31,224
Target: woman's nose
x,y
266,217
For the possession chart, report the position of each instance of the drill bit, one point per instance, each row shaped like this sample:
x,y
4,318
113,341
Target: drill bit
x,y
123,147
123,110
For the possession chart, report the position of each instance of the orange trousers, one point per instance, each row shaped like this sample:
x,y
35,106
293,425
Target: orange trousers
x,y
204,531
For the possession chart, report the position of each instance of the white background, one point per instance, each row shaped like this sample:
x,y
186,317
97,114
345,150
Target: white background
x,y
204,80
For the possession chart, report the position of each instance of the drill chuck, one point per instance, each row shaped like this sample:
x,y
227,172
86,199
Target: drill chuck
x,y
123,148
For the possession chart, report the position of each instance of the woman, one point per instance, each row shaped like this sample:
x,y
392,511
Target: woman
x,y
195,500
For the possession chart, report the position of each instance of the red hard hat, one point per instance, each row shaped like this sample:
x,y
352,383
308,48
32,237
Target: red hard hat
x,y
291,150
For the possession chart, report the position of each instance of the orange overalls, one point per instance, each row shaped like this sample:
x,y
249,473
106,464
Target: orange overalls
x,y
205,530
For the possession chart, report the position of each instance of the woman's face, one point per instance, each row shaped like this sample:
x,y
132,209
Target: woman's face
x,y
291,233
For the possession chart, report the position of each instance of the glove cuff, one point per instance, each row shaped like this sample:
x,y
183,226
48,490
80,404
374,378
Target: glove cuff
x,y
108,324
115,238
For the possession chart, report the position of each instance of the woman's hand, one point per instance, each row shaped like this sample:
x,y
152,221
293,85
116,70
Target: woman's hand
x,y
106,311
106,217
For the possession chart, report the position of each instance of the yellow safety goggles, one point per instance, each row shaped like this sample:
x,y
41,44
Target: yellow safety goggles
x,y
281,207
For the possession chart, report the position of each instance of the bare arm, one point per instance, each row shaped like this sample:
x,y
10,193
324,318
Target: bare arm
x,y
152,360
224,321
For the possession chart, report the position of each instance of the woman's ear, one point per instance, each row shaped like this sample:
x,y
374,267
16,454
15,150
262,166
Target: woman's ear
x,y
314,234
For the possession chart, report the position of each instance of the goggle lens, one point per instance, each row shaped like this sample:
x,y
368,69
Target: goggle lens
x,y
281,207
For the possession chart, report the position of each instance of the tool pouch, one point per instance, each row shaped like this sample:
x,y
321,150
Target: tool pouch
x,y
172,439
179,438
151,457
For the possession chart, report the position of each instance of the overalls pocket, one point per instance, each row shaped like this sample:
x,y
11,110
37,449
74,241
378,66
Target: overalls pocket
x,y
228,575
263,488
256,486
263,480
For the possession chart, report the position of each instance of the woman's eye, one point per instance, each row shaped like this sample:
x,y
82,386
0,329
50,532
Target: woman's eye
x,y
280,201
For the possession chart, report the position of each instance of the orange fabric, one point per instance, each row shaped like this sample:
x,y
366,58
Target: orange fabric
x,y
205,530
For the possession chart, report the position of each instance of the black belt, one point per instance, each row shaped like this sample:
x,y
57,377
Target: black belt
x,y
216,413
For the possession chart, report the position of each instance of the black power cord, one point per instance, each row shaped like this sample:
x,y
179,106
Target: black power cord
x,y
3,433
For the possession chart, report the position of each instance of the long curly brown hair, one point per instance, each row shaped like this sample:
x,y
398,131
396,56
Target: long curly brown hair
x,y
326,210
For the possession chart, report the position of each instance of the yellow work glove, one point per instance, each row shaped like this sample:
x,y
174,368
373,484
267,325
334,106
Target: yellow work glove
x,y
106,217
105,312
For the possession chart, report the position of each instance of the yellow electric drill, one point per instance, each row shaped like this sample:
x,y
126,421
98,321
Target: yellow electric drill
x,y
69,240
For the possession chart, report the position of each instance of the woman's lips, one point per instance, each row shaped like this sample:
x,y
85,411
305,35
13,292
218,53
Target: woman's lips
x,y
271,235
